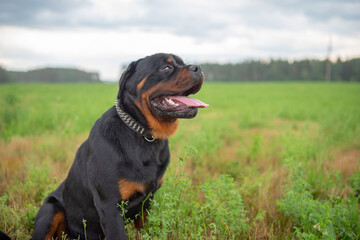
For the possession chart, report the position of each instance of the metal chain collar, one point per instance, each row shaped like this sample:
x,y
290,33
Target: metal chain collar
x,y
133,124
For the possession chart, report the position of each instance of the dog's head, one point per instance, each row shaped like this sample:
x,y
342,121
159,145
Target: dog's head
x,y
155,89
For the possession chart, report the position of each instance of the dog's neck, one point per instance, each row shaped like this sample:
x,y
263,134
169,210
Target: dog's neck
x,y
133,124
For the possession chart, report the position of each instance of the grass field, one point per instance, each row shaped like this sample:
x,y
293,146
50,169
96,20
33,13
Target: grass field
x,y
264,161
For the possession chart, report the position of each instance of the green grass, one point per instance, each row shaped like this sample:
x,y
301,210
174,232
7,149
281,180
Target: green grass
x,y
264,161
35,109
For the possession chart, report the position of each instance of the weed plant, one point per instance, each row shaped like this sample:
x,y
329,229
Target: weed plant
x,y
333,218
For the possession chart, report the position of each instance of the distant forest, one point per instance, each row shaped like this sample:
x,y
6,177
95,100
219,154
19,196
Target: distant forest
x,y
253,71
283,70
50,75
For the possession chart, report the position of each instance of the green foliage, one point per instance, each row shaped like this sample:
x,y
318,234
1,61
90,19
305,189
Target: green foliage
x,y
245,133
283,70
177,211
15,217
256,147
84,225
333,218
355,183
8,113
35,109
36,186
52,75
225,206
4,75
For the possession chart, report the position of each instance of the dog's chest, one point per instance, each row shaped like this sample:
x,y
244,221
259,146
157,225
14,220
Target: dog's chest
x,y
145,173
146,163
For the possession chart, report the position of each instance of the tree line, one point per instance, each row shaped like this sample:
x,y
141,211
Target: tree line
x,y
253,71
283,70
53,75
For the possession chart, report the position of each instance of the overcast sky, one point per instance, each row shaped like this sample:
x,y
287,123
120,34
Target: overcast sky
x,y
102,35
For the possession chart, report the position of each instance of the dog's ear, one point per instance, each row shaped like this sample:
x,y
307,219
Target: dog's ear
x,y
126,74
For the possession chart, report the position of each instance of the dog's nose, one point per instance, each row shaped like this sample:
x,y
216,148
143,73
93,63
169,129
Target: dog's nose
x,y
195,68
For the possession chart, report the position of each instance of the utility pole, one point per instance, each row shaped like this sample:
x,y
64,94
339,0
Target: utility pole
x,y
328,62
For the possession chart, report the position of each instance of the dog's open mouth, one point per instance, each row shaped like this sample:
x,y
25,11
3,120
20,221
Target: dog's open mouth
x,y
177,105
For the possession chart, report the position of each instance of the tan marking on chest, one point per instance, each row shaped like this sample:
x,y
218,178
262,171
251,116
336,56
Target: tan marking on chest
x,y
128,188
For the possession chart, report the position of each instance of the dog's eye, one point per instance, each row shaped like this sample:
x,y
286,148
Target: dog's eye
x,y
166,68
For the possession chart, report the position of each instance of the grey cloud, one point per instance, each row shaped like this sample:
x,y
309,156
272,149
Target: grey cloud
x,y
324,10
37,13
189,18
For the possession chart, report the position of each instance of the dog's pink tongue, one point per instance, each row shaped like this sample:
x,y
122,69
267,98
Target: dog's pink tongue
x,y
188,101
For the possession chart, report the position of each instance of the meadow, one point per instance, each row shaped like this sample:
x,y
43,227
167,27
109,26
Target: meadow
x,y
264,161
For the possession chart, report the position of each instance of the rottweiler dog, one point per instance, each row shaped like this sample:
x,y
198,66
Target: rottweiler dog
x,y
126,154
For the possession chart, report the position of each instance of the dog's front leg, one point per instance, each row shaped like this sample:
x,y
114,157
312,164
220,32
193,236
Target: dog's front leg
x,y
112,223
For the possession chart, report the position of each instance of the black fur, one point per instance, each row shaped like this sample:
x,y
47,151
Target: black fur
x,y
112,152
3,236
